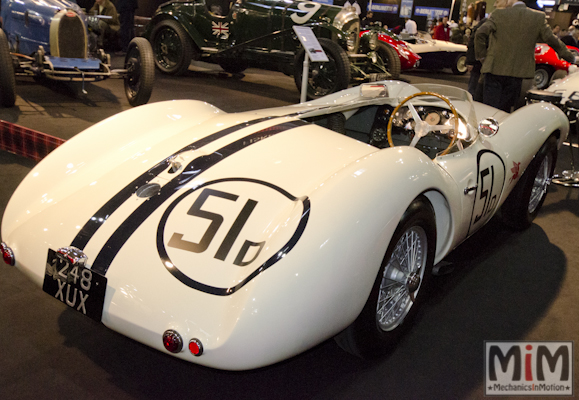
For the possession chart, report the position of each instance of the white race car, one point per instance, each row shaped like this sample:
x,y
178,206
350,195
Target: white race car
x,y
437,54
239,240
566,88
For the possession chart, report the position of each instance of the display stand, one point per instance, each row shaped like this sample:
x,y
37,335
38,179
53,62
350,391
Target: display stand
x,y
313,51
305,77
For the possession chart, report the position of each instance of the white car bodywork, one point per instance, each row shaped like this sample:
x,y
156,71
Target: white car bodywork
x,y
437,54
317,211
568,86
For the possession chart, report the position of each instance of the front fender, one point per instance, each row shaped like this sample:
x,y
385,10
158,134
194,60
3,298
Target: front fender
x,y
183,18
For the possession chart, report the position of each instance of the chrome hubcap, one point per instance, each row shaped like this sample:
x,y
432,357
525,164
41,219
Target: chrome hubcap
x,y
413,283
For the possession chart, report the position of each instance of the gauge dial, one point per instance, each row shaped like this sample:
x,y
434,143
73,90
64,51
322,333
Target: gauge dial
x,y
432,118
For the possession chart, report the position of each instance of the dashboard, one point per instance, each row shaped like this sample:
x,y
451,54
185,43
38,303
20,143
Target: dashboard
x,y
403,125
369,125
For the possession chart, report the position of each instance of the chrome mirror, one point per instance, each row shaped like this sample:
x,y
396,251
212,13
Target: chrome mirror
x,y
488,127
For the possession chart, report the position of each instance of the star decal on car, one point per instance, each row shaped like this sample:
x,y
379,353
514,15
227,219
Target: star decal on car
x,y
515,170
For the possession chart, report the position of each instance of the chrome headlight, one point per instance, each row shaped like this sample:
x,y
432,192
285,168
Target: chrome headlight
x,y
373,41
353,37
369,41
348,22
346,15
351,41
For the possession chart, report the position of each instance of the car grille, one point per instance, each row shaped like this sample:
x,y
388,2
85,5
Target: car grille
x,y
70,31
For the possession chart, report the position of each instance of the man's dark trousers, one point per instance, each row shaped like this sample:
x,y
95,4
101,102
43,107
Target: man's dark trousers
x,y
501,92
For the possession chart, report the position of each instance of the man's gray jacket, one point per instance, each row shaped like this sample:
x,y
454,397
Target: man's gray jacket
x,y
511,34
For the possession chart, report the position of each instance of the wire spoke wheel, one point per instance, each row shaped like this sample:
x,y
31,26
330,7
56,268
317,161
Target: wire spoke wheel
x,y
401,285
402,278
172,47
525,200
323,78
168,48
541,183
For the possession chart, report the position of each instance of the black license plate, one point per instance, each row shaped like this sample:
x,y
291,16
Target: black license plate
x,y
74,285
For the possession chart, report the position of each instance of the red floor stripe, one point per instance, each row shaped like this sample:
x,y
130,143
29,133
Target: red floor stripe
x,y
26,142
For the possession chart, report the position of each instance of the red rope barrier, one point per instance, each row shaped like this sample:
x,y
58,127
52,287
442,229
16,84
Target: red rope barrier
x,y
26,142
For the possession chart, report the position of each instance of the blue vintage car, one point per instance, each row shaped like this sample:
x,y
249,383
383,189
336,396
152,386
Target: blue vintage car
x,y
51,39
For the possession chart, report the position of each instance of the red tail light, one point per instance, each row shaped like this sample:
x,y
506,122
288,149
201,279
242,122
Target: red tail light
x,y
195,347
172,341
7,254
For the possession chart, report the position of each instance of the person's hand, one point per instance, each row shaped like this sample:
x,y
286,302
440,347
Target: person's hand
x,y
469,68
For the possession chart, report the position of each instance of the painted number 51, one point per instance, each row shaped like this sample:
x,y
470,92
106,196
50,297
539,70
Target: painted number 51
x,y
177,241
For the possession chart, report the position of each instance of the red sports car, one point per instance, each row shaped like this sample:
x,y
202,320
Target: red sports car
x,y
408,58
547,62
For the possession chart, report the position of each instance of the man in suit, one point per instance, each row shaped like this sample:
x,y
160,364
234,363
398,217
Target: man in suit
x,y
511,34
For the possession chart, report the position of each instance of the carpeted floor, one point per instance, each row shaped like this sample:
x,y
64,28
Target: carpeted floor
x,y
521,286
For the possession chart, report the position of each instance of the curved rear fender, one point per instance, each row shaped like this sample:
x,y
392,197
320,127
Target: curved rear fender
x,y
522,133
114,146
353,216
531,125
528,128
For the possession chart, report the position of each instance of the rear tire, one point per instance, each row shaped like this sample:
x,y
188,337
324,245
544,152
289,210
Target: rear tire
x,y
7,80
389,311
172,47
141,71
390,59
526,199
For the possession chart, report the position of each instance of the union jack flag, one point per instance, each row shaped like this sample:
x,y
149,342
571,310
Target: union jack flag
x,y
220,29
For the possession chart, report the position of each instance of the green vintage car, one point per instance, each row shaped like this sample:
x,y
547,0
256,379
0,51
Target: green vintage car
x,y
259,33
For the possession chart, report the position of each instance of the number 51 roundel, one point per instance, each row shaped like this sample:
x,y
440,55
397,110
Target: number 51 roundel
x,y
219,236
490,184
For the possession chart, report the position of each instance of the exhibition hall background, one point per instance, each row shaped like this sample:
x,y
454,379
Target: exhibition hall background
x,y
390,17
391,12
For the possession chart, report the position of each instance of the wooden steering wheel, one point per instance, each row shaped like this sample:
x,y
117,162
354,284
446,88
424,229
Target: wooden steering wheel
x,y
422,128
